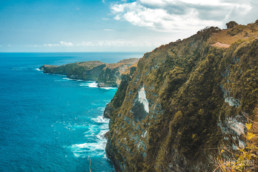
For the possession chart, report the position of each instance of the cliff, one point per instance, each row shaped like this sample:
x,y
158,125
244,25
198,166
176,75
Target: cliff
x,y
106,75
184,101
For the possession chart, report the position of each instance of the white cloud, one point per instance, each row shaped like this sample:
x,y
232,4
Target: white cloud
x,y
174,15
116,43
119,7
104,43
51,45
60,44
66,44
117,17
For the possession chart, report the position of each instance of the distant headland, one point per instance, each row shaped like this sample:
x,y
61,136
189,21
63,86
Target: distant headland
x,y
106,75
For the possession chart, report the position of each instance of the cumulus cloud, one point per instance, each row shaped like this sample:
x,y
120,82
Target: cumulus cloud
x,y
172,15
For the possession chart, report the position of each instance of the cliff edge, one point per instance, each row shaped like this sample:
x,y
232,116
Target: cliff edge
x,y
184,101
106,75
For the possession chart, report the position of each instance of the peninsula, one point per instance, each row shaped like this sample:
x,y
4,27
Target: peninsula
x,y
106,75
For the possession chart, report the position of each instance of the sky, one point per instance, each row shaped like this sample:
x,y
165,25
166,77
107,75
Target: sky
x,y
111,25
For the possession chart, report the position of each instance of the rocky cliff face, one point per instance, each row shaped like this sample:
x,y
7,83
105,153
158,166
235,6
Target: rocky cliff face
x,y
107,75
184,101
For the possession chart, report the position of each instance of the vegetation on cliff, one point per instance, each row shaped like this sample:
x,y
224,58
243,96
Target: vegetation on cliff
x,y
199,93
244,158
104,74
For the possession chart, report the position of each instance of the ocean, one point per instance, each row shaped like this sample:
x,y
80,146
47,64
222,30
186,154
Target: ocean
x,y
50,122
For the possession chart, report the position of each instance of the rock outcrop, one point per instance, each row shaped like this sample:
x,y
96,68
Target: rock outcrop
x,y
184,101
106,75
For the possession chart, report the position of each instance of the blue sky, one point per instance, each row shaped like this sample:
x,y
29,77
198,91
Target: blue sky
x,y
111,25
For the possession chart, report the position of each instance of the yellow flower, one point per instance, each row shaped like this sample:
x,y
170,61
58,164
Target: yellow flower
x,y
250,136
248,126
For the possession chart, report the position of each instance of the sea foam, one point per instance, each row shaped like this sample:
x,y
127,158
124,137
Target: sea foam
x,y
97,133
67,79
109,88
89,84
100,119
91,149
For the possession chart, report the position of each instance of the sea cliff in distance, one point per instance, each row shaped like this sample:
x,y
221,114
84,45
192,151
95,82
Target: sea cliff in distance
x,y
189,105
106,75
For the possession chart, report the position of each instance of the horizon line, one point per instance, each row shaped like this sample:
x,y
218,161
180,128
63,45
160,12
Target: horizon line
x,y
74,52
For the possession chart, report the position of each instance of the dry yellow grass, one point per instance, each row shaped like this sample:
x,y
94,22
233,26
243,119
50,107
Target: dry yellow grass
x,y
225,38
123,62
220,45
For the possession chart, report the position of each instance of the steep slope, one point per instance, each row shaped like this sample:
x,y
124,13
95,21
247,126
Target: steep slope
x,y
104,74
184,101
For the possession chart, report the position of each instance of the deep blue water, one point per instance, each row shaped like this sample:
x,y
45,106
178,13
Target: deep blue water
x,y
48,122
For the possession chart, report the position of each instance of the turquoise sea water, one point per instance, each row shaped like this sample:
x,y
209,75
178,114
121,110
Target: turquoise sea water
x,y
49,122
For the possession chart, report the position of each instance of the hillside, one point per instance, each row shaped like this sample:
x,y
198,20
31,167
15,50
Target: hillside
x,y
106,75
185,101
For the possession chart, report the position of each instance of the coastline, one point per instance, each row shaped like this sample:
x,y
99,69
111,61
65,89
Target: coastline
x,y
105,74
